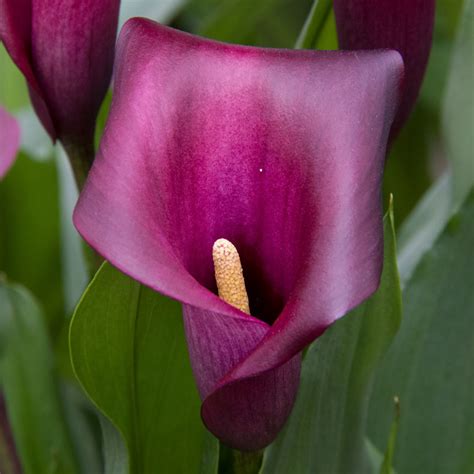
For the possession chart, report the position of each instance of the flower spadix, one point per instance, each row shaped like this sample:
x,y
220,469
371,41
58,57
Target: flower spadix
x,y
229,275
281,152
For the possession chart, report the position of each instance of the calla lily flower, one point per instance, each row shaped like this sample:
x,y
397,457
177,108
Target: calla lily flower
x,y
9,141
403,25
280,152
65,50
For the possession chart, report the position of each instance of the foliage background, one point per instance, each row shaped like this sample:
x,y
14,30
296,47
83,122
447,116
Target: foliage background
x,y
429,365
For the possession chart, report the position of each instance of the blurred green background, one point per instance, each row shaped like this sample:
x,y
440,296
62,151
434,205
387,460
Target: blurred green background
x,y
40,250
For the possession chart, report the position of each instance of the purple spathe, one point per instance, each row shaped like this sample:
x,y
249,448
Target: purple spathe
x,y
65,50
403,25
281,152
9,141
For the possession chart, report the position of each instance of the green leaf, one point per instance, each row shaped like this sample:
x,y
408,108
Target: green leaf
x,y
325,433
429,366
314,24
327,38
129,353
458,113
386,467
28,381
29,233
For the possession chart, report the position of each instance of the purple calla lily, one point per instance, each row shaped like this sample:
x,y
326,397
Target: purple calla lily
x,y
9,141
279,151
65,50
403,25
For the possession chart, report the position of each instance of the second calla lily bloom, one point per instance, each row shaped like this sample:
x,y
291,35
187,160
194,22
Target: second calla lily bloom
x,y
281,152
403,25
65,50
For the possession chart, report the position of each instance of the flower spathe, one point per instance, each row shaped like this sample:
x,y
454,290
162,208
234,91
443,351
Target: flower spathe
x,y
9,140
281,152
65,50
403,25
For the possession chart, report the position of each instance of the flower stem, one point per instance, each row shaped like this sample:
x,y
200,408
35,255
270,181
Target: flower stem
x,y
81,156
246,462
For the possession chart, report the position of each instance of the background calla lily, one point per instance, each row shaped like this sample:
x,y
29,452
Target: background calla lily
x,y
280,152
9,140
403,25
65,50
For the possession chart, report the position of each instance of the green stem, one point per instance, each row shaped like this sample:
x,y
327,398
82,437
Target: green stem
x,y
81,156
246,462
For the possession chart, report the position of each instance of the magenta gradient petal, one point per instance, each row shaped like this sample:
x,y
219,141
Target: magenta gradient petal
x,y
280,152
9,141
403,25
65,50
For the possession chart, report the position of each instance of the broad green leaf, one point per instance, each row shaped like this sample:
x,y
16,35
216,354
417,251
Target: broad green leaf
x,y
29,233
429,366
29,384
458,113
314,24
326,431
129,353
